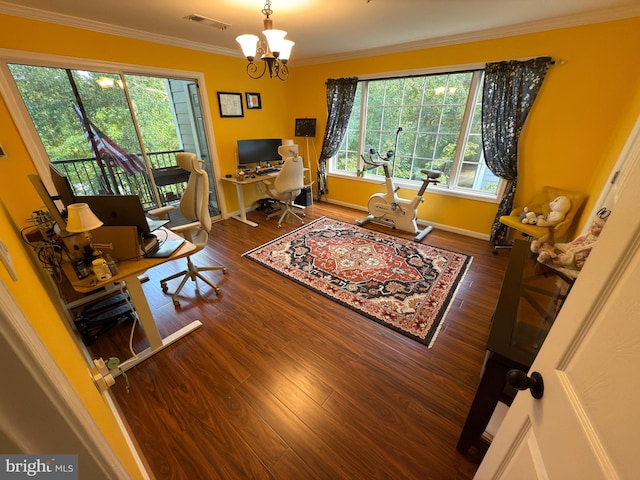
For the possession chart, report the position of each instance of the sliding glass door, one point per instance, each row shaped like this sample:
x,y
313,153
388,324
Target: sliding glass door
x,y
116,134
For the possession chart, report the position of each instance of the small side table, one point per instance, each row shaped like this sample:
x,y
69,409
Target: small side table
x,y
530,299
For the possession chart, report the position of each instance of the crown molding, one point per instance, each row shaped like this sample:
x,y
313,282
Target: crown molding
x,y
596,16
101,27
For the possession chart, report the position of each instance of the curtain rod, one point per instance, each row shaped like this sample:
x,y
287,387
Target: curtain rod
x,y
474,67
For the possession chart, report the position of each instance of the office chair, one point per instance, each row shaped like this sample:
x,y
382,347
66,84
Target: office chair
x,y
540,203
194,205
288,184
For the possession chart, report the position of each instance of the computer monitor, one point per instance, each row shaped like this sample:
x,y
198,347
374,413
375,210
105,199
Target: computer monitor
x,y
37,183
258,151
121,210
62,186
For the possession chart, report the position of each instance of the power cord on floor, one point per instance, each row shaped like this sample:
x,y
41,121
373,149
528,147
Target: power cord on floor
x,y
135,320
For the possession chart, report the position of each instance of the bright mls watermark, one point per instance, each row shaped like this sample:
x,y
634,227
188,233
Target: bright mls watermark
x,y
49,467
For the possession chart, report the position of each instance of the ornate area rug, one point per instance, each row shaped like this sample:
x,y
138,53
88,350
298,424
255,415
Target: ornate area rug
x,y
399,283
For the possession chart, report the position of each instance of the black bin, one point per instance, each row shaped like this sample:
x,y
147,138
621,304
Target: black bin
x,y
304,199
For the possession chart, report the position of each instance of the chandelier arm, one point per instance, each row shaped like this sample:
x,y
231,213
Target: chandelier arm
x,y
252,70
282,72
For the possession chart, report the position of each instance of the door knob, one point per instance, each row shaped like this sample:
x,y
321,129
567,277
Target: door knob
x,y
518,379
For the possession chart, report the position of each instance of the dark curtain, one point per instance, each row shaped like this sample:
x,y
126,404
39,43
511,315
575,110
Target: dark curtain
x,y
510,89
341,93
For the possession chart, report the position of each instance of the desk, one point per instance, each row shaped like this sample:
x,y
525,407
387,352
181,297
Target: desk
x,y
240,193
128,272
530,298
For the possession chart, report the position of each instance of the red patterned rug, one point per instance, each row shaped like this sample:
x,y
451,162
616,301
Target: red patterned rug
x,y
399,283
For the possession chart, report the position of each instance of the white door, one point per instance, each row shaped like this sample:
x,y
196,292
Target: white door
x,y
586,425
40,412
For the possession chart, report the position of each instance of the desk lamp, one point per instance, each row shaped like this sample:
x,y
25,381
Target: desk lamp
x,y
82,220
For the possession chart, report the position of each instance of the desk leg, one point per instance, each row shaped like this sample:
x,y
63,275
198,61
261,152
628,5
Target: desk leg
x,y
156,342
243,214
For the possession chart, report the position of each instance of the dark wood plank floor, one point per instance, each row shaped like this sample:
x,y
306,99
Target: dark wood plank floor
x,y
283,383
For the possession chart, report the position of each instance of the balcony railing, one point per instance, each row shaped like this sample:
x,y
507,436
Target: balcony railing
x,y
88,177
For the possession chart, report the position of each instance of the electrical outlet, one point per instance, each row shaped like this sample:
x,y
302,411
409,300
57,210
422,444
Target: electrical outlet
x,y
101,376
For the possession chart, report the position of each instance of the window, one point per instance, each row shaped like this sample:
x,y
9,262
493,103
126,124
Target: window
x,y
440,116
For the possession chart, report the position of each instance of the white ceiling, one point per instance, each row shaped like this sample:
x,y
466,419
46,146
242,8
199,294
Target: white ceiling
x,y
323,29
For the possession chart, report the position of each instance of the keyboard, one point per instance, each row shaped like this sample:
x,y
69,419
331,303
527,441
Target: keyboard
x,y
267,171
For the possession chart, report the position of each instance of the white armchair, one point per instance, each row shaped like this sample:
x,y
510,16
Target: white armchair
x,y
194,205
287,185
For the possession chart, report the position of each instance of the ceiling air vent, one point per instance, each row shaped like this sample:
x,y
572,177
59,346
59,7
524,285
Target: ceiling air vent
x,y
209,22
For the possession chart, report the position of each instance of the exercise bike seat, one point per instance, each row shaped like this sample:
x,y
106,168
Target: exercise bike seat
x,y
431,174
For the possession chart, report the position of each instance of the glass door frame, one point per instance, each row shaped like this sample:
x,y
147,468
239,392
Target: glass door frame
x,y
27,130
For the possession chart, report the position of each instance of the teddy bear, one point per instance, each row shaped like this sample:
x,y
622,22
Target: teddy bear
x,y
529,217
558,208
569,256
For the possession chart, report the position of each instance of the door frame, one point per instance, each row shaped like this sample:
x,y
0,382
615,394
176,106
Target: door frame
x,y
48,391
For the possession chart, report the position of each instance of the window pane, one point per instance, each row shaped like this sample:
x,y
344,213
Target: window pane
x,y
432,111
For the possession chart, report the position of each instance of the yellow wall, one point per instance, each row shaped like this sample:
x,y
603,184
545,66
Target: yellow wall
x,y
575,132
36,299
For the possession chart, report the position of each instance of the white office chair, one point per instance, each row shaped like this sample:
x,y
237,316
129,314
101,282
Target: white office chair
x,y
194,205
287,185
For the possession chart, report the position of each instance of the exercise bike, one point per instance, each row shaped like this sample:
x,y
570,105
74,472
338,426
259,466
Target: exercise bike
x,y
389,209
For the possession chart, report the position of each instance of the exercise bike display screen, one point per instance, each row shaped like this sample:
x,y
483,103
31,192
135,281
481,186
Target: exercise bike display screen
x,y
258,151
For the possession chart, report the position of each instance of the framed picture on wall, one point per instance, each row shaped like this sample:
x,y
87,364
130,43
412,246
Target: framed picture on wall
x,y
253,100
230,104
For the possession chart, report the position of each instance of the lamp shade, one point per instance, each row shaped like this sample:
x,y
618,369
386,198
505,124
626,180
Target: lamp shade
x,y
285,49
249,44
275,39
81,218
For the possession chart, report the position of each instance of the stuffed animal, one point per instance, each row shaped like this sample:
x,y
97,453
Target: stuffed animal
x,y
529,217
570,256
558,208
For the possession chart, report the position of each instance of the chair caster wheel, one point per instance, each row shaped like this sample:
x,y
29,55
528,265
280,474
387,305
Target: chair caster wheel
x,y
224,271
176,304
218,292
279,226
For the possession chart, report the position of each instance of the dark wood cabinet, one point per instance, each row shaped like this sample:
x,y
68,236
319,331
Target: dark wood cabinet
x,y
530,298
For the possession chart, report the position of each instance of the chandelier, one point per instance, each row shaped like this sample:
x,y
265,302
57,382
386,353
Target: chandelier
x,y
274,52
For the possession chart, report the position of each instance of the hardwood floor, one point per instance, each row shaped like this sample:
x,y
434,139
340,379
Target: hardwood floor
x,y
283,383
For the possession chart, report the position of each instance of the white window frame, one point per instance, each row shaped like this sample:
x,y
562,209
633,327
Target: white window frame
x,y
459,156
